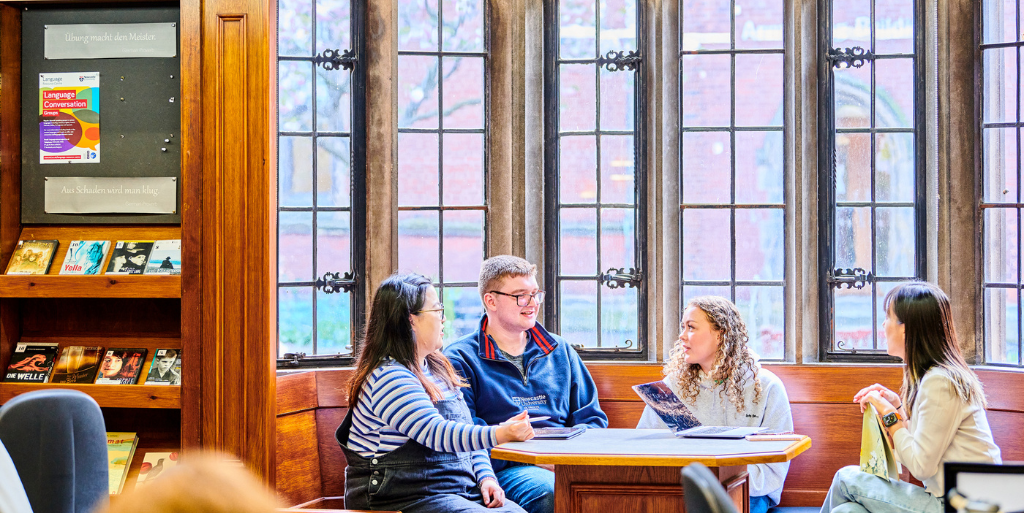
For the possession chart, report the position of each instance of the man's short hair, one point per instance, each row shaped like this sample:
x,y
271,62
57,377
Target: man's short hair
x,y
497,268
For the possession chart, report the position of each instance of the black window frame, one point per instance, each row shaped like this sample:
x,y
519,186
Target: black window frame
x,y
357,206
552,200
827,204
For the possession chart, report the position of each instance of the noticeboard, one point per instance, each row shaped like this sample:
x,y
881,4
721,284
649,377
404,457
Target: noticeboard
x,y
125,126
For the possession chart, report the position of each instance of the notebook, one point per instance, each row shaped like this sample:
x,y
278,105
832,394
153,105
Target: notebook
x,y
557,433
680,419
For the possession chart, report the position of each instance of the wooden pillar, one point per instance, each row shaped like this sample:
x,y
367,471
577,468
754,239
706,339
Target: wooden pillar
x,y
238,231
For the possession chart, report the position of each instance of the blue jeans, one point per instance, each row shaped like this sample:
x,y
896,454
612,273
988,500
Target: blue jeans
x,y
853,491
532,488
761,504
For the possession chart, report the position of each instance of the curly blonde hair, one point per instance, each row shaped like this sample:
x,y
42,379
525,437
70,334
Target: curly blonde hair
x,y
734,364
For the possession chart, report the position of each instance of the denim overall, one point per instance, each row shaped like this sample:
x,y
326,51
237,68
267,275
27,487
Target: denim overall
x,y
414,478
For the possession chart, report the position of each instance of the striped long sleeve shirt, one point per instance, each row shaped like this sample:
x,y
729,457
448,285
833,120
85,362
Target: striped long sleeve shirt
x,y
394,407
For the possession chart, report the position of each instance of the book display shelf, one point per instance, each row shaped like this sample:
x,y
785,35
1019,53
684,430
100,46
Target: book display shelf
x,y
107,310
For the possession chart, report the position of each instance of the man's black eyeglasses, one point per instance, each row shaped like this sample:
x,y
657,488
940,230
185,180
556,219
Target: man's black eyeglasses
x,y
524,299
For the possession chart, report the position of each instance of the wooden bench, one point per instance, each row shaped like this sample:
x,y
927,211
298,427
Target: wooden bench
x,y
311,405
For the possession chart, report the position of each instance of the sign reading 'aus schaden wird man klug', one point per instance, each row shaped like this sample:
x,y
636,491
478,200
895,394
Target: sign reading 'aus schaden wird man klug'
x,y
110,41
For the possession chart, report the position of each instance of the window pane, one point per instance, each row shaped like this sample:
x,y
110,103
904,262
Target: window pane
x,y
894,93
1000,96
417,25
577,242
895,242
882,289
463,169
417,169
706,86
1000,21
1000,244
577,169
759,167
333,102
295,320
853,167
999,154
333,177
333,243
295,171
417,92
578,97
576,31
692,291
618,96
294,246
759,24
463,25
853,97
762,309
618,239
579,312
617,169
333,323
618,25
418,243
1002,315
463,92
853,238
706,238
759,244
759,90
463,245
894,26
462,310
295,96
851,24
619,318
333,25
706,163
853,322
705,25
894,167
294,28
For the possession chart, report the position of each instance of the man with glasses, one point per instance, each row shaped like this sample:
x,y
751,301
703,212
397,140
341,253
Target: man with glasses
x,y
513,364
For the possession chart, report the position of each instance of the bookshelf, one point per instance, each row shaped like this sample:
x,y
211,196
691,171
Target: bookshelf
x,y
101,310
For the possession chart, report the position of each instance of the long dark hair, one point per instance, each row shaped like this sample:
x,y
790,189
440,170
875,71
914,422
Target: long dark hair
x,y
389,335
930,341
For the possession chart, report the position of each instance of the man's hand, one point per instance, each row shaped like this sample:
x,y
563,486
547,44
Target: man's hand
x,y
493,495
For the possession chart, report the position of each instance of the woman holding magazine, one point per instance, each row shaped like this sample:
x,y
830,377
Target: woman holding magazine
x,y
410,442
718,378
938,416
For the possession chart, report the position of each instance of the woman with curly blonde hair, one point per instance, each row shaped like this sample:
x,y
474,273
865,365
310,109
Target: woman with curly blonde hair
x,y
719,379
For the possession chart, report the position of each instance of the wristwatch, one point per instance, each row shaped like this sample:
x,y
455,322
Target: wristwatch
x,y
890,418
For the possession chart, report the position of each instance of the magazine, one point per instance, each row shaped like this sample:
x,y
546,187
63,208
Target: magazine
x,y
667,405
85,257
31,362
166,368
876,456
121,366
32,257
165,257
77,364
130,257
120,448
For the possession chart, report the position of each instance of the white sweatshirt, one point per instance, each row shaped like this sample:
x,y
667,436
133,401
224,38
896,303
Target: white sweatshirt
x,y
943,428
712,408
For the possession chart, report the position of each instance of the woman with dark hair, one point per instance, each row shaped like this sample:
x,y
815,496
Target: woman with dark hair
x,y
938,416
716,375
409,437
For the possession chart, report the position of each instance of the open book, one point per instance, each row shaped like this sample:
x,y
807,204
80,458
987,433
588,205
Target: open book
x,y
876,453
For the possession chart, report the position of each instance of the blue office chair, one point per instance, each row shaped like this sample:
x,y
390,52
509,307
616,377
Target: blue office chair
x,y
703,493
57,440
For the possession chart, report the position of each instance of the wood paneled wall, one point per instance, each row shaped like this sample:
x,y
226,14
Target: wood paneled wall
x,y
314,404
236,222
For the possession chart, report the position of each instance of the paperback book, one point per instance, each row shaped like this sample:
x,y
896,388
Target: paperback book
x,y
121,366
166,368
77,364
154,464
31,362
165,257
876,454
85,257
32,257
130,257
120,449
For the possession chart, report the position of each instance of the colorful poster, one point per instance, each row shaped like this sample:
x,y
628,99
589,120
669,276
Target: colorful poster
x,y
69,118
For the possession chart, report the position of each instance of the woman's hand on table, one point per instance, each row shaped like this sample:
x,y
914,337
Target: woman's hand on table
x,y
493,495
515,429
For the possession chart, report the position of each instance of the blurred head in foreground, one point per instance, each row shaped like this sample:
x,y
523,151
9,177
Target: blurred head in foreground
x,y
201,483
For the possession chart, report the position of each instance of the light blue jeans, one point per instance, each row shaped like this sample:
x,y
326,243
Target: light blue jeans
x,y
531,487
853,491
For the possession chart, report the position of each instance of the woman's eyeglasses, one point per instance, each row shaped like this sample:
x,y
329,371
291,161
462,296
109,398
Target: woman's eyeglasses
x,y
433,310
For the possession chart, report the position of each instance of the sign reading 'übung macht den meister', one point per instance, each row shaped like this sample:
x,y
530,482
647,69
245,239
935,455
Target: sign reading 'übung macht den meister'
x,y
110,41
